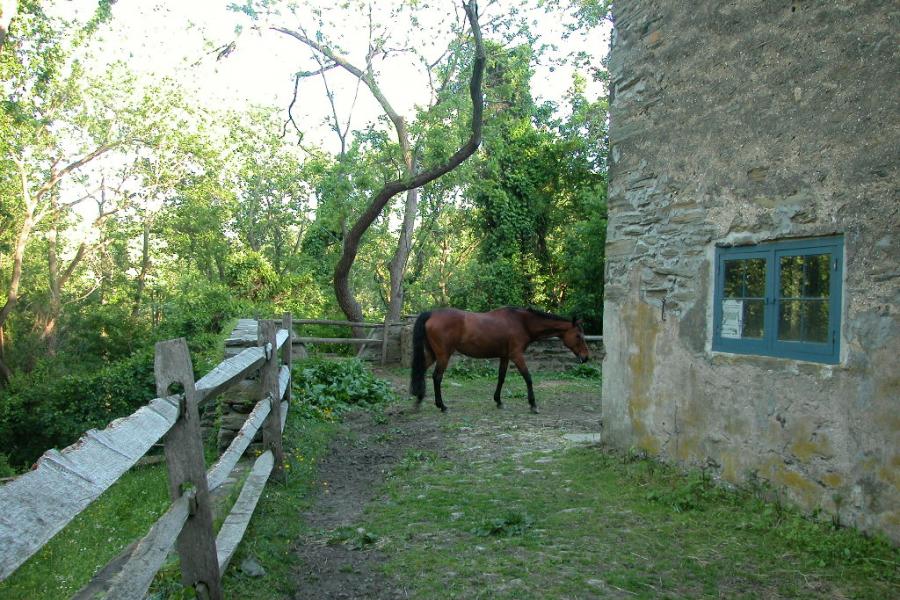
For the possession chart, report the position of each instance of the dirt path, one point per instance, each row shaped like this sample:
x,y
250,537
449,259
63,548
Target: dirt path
x,y
331,563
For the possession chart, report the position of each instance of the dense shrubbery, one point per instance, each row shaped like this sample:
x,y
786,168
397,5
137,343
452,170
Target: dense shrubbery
x,y
326,388
38,412
51,406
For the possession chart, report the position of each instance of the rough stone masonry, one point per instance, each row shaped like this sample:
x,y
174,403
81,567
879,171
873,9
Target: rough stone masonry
x,y
737,123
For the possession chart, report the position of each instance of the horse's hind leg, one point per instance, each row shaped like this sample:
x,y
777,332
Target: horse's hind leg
x,y
523,370
429,360
504,363
438,375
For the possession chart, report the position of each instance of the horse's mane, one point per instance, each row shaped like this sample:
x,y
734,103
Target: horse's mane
x,y
542,314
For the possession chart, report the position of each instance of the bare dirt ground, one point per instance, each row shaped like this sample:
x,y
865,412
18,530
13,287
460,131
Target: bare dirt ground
x,y
369,448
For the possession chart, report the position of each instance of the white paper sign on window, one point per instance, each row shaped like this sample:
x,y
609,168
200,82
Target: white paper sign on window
x,y
732,318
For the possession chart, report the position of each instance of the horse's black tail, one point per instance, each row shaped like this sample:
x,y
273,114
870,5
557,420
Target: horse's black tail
x,y
417,378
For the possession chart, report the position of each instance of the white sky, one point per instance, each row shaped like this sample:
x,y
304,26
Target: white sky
x,y
175,37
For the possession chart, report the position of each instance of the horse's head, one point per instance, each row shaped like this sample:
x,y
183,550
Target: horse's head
x,y
573,338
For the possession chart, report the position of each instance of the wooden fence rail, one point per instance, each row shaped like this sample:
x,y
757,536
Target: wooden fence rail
x,y
38,504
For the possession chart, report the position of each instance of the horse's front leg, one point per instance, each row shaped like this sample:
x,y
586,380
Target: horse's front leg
x,y
504,363
519,360
438,375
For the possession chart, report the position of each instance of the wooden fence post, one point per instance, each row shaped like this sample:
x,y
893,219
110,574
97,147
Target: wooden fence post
x,y
287,353
268,378
196,544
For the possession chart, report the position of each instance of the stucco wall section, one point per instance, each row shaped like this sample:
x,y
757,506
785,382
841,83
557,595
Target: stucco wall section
x,y
742,122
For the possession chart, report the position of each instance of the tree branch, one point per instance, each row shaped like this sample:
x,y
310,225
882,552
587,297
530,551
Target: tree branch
x,y
354,236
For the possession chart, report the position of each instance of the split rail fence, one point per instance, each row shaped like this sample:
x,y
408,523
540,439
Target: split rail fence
x,y
385,328
41,502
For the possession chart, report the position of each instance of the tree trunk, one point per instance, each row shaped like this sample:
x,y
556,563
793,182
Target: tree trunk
x,y
12,294
49,334
145,268
344,293
401,256
5,373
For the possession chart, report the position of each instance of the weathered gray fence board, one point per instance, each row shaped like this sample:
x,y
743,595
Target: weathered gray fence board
x,y
323,340
134,577
287,352
331,322
230,371
280,338
284,376
284,410
232,530
249,337
220,471
40,503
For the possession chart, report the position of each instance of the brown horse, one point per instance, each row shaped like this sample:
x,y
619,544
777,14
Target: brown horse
x,y
504,333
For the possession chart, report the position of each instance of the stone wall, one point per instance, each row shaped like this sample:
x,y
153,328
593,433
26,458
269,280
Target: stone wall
x,y
741,122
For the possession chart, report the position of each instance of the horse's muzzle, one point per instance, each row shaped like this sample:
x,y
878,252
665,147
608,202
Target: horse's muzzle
x,y
583,359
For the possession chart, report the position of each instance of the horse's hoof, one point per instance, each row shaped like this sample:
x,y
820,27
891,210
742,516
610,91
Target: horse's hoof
x,y
416,406
443,409
499,406
535,411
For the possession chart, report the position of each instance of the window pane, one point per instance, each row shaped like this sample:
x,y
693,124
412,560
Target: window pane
x,y
803,321
805,276
742,319
754,315
745,278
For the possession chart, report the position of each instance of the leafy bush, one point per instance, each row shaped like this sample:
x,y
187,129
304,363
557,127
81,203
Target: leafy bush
x,y
199,307
5,469
250,275
583,371
39,411
472,369
51,408
327,388
512,523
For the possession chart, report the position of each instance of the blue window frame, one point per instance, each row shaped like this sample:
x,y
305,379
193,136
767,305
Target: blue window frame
x,y
780,299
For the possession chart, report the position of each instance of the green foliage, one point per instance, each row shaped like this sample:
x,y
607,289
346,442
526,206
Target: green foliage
x,y
250,276
51,407
6,469
38,412
325,389
472,369
122,514
510,524
583,371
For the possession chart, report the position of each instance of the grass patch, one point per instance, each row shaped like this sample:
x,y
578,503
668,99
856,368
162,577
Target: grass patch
x,y
122,514
590,521
276,523
128,509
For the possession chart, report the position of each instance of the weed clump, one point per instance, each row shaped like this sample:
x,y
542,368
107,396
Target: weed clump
x,y
510,524
325,389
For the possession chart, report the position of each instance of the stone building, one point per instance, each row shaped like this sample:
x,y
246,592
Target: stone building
x,y
752,311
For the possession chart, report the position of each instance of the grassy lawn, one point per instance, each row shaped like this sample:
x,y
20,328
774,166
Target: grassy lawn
x,y
583,522
122,514
504,508
127,510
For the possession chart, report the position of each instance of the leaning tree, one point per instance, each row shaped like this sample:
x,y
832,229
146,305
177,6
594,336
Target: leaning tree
x,y
414,174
